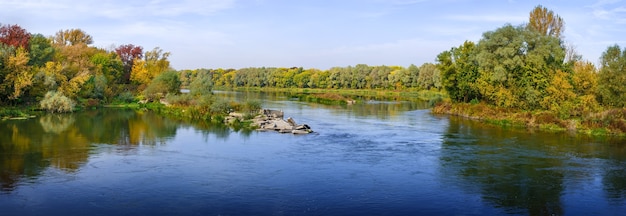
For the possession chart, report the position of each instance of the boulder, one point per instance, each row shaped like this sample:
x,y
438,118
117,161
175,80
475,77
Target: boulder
x,y
272,120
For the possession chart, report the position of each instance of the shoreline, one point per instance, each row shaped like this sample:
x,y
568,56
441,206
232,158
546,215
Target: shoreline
x,y
608,123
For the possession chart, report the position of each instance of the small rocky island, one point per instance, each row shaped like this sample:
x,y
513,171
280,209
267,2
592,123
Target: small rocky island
x,y
272,120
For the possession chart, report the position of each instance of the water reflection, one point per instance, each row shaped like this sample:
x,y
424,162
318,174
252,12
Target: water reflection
x,y
27,147
526,173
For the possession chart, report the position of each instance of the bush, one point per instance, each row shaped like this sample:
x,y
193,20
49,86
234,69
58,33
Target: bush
x,y
125,97
57,103
182,99
220,107
252,106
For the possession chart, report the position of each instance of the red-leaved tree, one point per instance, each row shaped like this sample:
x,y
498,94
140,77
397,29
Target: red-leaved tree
x,y
14,35
128,53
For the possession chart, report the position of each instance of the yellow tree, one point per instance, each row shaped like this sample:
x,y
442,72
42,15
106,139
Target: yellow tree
x,y
139,73
546,22
19,76
72,37
154,63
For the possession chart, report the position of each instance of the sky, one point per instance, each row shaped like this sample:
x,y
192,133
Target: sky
x,y
310,33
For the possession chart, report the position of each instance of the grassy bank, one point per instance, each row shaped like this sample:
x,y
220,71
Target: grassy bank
x,y
607,123
356,95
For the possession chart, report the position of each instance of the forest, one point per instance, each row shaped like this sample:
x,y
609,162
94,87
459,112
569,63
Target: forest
x,y
524,68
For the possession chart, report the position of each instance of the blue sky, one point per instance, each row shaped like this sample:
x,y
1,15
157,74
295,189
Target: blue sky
x,y
309,33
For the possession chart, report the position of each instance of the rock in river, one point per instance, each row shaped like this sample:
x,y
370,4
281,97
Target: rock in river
x,y
272,120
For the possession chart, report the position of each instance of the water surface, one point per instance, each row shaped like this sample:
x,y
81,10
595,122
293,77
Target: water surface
x,y
376,158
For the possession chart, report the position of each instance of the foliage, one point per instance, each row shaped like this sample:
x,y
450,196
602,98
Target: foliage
x,y
18,76
15,36
546,22
56,102
459,72
41,50
71,37
128,53
612,76
202,84
165,83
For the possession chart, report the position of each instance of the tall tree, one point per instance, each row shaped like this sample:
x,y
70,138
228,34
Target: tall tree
x,y
612,76
71,37
14,35
516,65
459,72
128,53
546,22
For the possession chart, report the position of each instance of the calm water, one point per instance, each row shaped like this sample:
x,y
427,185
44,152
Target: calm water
x,y
379,158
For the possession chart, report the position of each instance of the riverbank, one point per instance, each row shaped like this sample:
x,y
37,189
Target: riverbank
x,y
348,96
606,123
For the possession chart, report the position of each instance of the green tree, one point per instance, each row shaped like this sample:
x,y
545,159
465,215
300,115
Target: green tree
x,y
41,50
516,65
459,72
612,76
202,84
165,83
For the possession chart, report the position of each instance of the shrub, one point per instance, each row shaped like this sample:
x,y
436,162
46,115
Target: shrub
x,y
252,106
220,107
125,97
56,102
182,99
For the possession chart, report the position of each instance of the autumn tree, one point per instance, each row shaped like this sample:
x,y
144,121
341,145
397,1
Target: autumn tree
x,y
71,37
546,22
154,63
128,53
14,35
18,76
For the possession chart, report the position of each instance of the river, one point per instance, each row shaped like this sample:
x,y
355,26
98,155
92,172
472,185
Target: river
x,y
374,158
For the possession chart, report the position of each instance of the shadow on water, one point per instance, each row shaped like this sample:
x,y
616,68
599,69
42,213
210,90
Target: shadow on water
x,y
65,141
527,173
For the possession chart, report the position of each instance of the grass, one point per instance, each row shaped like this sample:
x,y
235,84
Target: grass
x,y
607,123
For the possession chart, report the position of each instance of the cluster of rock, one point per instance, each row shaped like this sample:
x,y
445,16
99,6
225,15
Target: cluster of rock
x,y
272,120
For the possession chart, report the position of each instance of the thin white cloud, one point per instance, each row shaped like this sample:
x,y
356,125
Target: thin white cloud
x,y
488,18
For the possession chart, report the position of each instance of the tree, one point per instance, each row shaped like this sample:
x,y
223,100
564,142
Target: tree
x,y
19,75
41,50
612,76
546,22
459,72
128,53
165,83
14,35
72,37
516,65
155,62
202,84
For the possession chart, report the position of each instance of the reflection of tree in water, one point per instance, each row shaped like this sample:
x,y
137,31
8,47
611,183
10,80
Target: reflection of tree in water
x,y
614,179
28,147
507,172
56,123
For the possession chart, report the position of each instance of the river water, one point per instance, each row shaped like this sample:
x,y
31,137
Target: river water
x,y
376,158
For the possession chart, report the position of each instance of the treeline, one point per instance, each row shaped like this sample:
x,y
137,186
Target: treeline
x,y
360,76
58,71
529,67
